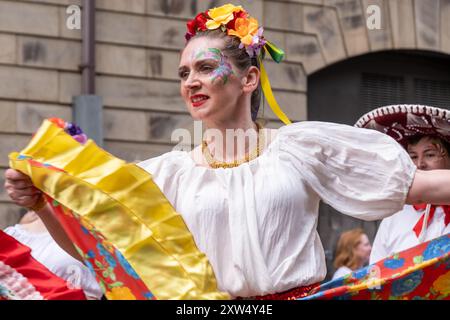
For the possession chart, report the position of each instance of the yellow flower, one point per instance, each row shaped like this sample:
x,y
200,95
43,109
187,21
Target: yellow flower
x,y
442,284
120,293
222,15
245,30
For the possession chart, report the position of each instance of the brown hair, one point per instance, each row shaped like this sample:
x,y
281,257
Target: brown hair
x,y
348,241
240,58
441,144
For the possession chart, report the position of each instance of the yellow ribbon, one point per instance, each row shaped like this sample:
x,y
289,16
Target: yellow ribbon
x,y
268,93
123,203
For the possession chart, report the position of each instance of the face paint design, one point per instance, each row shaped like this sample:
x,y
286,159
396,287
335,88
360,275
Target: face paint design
x,y
223,71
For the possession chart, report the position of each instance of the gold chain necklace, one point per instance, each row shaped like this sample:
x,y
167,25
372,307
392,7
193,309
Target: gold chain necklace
x,y
213,163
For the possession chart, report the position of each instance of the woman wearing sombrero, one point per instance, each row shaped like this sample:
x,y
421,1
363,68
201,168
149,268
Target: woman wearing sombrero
x,y
253,212
424,132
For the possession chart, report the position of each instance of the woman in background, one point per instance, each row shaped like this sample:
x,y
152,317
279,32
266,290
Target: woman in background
x,y
352,253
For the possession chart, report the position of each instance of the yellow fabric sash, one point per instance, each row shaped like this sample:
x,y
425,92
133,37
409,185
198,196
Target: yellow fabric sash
x,y
122,202
268,93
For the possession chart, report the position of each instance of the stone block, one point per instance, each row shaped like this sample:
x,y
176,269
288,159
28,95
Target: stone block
x,y
402,23
31,115
445,26
282,15
49,53
141,94
136,152
3,194
165,33
324,22
134,6
121,60
11,143
163,64
125,125
289,76
8,116
122,28
28,84
305,48
427,16
293,105
58,2
9,214
353,22
173,8
163,125
69,86
29,18
8,52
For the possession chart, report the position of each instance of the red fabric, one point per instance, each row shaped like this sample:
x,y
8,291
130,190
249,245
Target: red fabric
x,y
293,294
419,273
422,207
18,256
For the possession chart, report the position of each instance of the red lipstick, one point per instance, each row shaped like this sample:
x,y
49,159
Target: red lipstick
x,y
198,100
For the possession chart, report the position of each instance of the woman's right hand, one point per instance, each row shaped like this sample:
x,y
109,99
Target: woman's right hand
x,y
21,190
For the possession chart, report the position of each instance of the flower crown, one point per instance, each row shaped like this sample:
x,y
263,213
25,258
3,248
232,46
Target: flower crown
x,y
235,21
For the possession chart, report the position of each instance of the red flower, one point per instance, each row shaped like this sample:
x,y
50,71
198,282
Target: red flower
x,y
240,14
198,23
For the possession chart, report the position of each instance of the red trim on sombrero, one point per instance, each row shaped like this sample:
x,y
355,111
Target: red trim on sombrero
x,y
18,256
405,121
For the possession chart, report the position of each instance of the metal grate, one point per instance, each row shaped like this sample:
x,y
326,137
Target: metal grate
x,y
432,92
381,90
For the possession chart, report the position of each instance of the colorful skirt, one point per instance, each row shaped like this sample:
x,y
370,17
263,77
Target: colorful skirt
x,y
419,273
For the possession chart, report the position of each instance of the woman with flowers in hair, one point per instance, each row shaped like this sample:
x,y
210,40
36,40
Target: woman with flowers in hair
x,y
253,209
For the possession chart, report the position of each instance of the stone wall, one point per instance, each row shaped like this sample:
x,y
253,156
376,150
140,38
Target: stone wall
x,y
138,43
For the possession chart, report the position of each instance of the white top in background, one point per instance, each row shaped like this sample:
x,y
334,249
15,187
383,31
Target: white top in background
x,y
46,251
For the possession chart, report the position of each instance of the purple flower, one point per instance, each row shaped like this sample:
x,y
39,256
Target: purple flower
x,y
81,138
73,129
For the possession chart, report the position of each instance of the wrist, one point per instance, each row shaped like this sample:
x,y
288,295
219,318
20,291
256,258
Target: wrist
x,y
39,205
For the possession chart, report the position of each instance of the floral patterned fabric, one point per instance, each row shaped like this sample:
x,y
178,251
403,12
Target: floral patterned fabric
x,y
419,273
113,273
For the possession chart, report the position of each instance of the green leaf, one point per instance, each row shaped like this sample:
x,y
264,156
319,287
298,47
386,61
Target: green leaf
x,y
112,275
116,284
99,264
418,259
433,292
102,286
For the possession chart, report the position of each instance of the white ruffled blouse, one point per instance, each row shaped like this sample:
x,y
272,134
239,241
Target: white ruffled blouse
x,y
257,223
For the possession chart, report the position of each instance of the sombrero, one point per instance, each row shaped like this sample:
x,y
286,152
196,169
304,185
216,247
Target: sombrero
x,y
402,122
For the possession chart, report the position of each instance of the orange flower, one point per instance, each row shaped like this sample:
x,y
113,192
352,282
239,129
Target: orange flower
x,y
442,284
120,293
245,30
59,122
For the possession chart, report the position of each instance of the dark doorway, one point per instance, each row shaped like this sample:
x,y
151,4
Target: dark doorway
x,y
346,90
